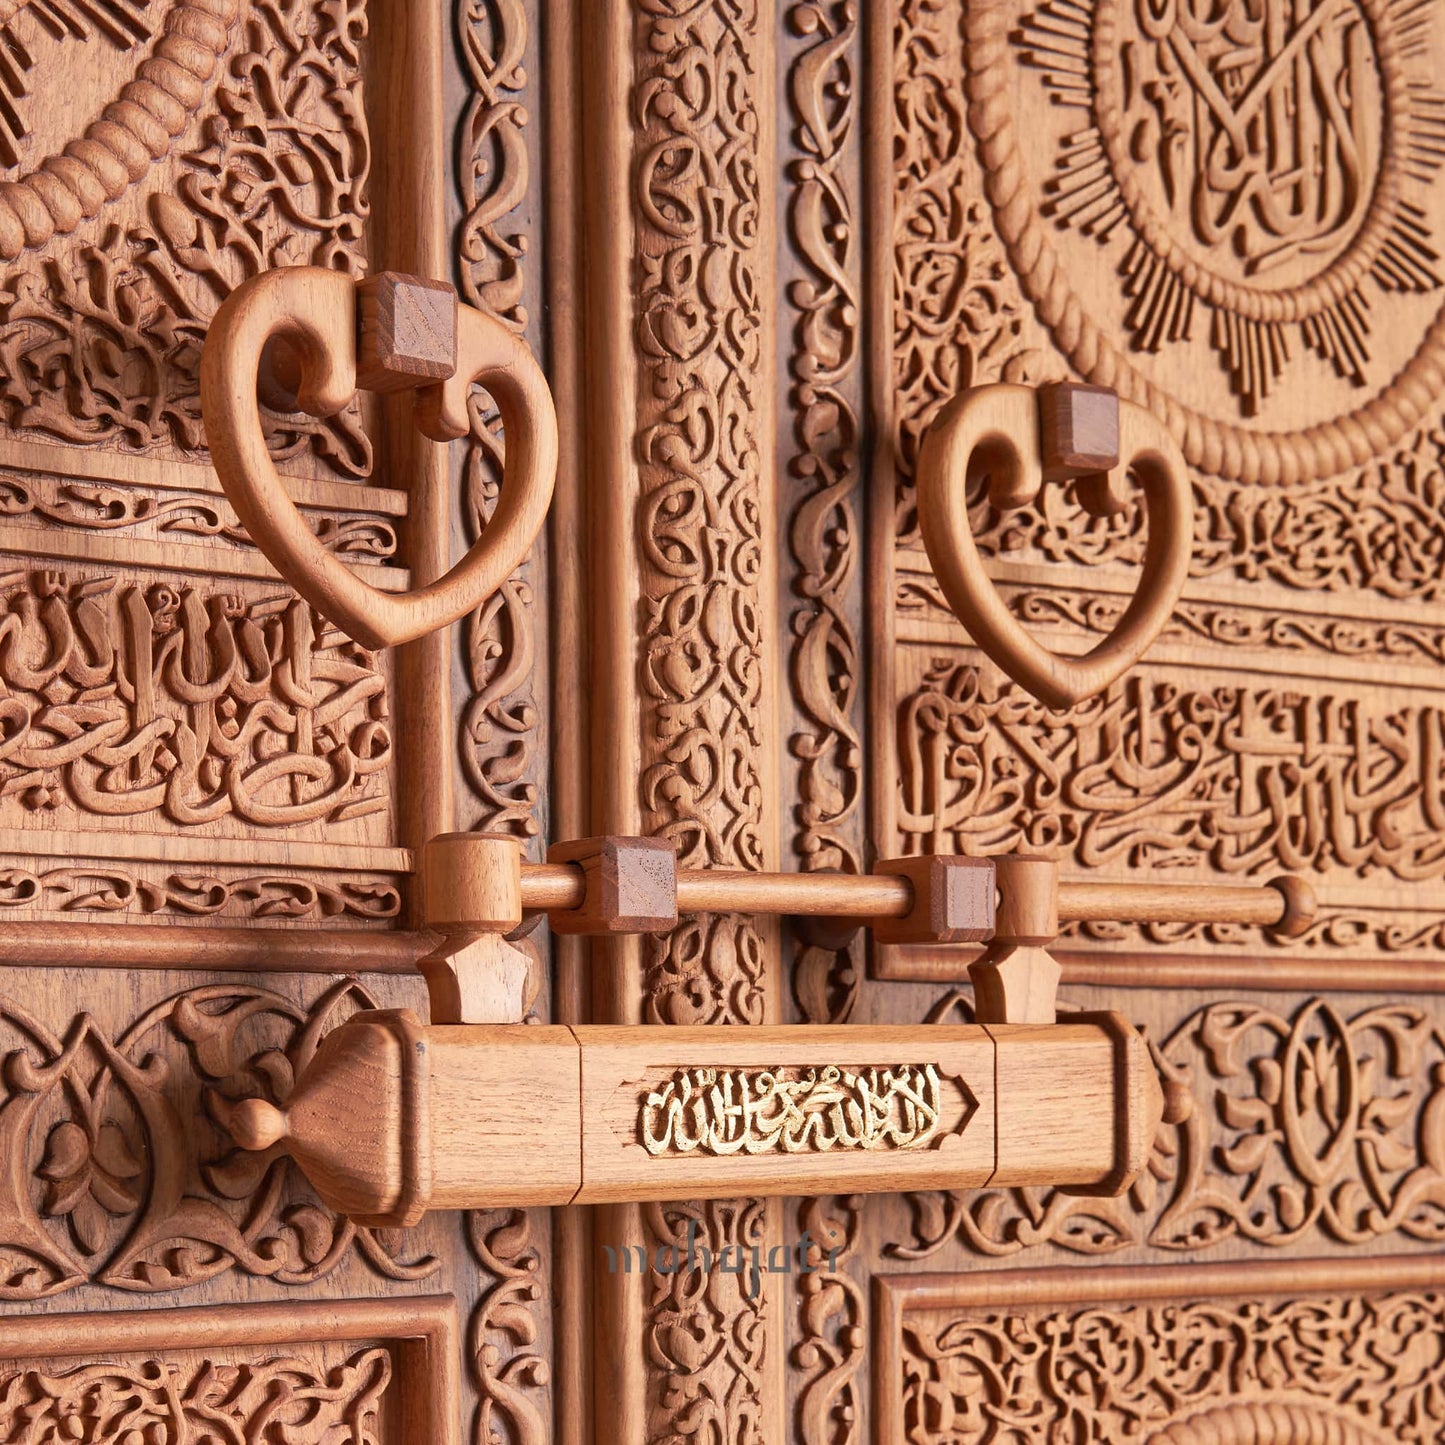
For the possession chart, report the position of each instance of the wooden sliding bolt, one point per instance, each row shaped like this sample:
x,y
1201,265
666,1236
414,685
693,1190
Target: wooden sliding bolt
x,y
630,886
407,332
472,896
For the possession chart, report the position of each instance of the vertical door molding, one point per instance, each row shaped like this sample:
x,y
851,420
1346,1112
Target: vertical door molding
x,y
677,132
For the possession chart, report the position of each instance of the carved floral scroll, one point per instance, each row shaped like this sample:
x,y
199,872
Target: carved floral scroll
x,y
128,1184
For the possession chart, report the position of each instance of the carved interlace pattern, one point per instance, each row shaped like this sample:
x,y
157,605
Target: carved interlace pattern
x,y
699,338
123,701
133,1187
265,166
502,725
276,1399
1282,1128
824,532
1348,1370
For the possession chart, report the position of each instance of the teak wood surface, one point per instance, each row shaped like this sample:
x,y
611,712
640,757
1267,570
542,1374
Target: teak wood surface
x,y
755,252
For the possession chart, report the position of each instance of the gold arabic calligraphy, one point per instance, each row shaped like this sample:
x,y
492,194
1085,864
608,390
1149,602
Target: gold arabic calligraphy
x,y
796,1111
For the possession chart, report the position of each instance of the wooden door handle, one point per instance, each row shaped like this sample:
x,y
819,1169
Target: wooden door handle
x,y
316,315
392,1117
1022,440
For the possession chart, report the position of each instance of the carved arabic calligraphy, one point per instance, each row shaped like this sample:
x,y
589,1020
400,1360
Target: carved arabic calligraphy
x,y
121,700
797,1111
1154,776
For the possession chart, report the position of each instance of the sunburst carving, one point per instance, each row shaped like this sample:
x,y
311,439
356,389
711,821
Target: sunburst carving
x,y
28,25
1267,158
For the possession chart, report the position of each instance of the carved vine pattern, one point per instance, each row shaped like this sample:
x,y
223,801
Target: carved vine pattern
x,y
919,596
502,725
104,507
100,337
957,318
699,334
1357,1371
1371,529
157,1400
512,1376
824,531
107,888
129,1186
704,1336
1280,1128
833,1320
121,701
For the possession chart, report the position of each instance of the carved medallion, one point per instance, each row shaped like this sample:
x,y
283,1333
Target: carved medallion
x,y
1251,178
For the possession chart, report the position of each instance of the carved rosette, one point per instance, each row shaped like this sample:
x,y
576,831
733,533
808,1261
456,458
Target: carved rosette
x,y
1303,258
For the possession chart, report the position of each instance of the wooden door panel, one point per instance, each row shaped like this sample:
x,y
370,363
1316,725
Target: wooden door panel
x,y
756,247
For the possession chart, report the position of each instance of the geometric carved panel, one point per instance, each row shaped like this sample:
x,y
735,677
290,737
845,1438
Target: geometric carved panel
x,y
1315,1352
344,1373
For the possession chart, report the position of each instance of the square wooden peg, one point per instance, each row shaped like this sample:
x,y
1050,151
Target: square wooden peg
x,y
631,886
408,332
1078,430
953,900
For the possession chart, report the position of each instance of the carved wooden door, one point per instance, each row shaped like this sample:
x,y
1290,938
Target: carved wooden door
x,y
756,248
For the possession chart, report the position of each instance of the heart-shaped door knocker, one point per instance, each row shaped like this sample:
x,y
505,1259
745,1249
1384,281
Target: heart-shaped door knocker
x,y
406,334
1022,440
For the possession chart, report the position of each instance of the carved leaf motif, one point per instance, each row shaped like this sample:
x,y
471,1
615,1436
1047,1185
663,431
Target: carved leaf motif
x,y
160,1400
119,1163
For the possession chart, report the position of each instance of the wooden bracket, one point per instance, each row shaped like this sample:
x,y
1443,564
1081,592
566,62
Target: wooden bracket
x,y
472,896
1016,981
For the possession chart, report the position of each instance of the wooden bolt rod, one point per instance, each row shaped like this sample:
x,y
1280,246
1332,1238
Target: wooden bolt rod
x,y
392,1118
551,886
